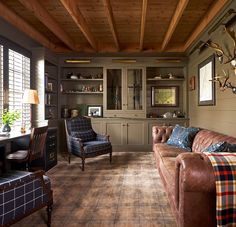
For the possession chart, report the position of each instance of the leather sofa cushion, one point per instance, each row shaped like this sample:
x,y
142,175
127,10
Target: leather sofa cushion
x,y
205,138
166,150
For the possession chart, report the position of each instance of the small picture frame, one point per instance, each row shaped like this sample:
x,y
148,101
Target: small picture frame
x,y
94,110
192,83
165,96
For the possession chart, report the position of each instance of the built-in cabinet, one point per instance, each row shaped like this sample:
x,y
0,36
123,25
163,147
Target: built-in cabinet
x,y
51,91
80,87
164,77
132,133
125,132
125,92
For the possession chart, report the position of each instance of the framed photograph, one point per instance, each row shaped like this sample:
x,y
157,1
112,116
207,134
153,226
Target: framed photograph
x,y
206,86
95,110
192,83
165,96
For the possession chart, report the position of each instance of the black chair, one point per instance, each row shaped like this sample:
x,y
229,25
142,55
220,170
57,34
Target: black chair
x,y
35,150
83,142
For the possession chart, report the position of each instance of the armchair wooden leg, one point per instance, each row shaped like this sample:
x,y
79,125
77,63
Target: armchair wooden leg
x,y
110,156
83,162
49,213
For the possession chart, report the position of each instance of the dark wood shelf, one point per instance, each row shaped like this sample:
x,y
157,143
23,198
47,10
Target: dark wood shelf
x,y
51,77
81,80
165,79
81,92
50,92
50,105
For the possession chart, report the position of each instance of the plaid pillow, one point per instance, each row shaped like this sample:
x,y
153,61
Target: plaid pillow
x,y
85,135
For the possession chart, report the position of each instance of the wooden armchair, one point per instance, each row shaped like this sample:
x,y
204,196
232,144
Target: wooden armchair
x,y
83,142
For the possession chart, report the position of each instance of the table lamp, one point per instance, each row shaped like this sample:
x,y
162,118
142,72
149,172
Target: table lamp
x,y
30,97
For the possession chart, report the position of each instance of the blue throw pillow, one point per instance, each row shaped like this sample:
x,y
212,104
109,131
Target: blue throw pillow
x,y
231,147
217,147
85,135
183,137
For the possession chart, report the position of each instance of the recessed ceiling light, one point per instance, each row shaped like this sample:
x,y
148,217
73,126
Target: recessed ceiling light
x,y
77,61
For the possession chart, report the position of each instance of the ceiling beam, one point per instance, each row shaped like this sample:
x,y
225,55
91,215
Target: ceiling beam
x,y
71,7
174,22
43,15
23,26
111,21
143,22
209,16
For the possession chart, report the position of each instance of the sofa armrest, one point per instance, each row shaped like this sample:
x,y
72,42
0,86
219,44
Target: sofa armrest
x,y
160,134
195,196
194,173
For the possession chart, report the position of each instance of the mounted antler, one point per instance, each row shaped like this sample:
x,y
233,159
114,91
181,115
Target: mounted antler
x,y
220,52
223,85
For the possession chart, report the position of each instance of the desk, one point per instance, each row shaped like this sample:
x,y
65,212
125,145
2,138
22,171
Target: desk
x,y
20,141
13,136
11,143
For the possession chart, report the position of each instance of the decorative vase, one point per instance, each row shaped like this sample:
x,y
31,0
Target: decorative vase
x,y
6,128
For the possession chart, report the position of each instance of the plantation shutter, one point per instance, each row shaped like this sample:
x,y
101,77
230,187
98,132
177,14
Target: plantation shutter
x,y
19,80
1,83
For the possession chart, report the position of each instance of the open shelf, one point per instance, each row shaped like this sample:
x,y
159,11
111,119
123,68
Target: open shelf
x,y
81,92
81,80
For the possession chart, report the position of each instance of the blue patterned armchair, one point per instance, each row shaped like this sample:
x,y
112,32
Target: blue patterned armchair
x,y
83,142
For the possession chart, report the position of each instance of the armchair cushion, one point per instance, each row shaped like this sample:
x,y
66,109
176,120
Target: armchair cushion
x,y
85,136
102,137
92,147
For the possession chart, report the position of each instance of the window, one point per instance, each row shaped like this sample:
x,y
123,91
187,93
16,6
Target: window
x,y
14,79
1,82
19,80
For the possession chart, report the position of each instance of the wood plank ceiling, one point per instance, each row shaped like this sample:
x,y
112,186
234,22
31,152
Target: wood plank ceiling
x,y
112,25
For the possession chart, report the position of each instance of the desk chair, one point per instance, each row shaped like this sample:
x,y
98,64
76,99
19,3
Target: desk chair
x,y
83,142
35,150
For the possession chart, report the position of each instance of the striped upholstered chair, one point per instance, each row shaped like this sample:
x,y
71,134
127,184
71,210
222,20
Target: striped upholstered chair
x,y
83,142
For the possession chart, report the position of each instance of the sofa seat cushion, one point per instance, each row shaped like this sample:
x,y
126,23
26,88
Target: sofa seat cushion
x,y
167,167
166,150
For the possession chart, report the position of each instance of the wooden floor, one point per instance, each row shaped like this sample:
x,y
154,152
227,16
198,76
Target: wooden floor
x,y
128,192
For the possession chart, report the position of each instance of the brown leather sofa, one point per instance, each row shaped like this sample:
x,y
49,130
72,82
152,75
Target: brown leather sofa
x,y
188,176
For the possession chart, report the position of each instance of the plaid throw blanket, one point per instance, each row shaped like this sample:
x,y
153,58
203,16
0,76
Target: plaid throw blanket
x,y
224,165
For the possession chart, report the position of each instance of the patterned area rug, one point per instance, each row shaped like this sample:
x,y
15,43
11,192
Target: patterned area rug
x,y
128,192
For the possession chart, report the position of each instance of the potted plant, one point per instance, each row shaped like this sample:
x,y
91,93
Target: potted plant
x,y
8,119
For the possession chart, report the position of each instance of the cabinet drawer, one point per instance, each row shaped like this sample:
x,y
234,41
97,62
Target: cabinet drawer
x,y
51,145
